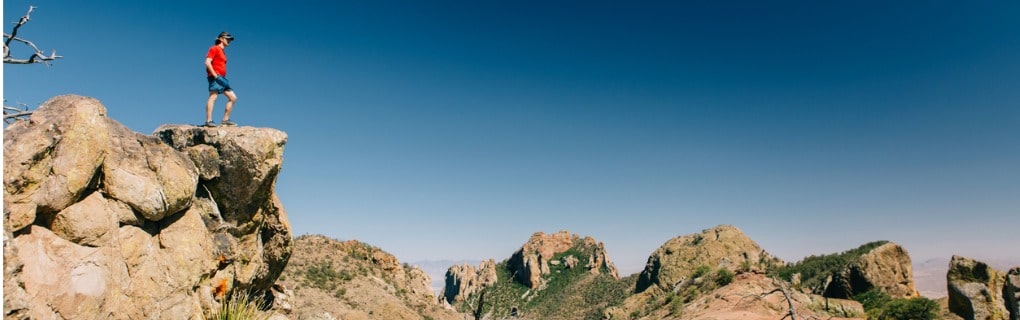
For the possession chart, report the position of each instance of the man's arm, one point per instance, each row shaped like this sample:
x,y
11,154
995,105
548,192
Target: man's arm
x,y
208,67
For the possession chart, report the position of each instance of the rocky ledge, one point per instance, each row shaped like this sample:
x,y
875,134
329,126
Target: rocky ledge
x,y
101,220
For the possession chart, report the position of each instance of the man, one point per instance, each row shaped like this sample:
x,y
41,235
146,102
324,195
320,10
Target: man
x,y
216,73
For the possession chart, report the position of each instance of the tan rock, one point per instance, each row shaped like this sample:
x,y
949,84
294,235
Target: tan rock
x,y
109,225
147,174
15,298
73,281
206,159
1011,292
250,159
975,290
50,160
90,222
886,268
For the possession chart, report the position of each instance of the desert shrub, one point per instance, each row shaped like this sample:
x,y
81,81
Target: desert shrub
x,y
323,276
919,308
872,299
723,277
700,271
880,306
241,306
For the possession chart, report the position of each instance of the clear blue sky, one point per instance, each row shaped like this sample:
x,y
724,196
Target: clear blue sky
x,y
454,130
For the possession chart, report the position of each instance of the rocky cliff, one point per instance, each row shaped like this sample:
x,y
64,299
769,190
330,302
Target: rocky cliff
x,y
532,260
333,279
976,290
465,280
552,276
101,221
886,268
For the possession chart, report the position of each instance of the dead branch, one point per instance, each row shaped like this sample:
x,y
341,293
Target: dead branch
x,y
12,114
37,57
786,293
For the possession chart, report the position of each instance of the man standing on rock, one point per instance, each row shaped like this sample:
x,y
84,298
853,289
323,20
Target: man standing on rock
x,y
216,73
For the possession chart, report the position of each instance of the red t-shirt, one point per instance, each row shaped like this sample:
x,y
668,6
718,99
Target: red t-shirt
x,y
219,61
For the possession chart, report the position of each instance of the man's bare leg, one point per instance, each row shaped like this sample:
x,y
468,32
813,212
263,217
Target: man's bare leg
x,y
231,98
209,106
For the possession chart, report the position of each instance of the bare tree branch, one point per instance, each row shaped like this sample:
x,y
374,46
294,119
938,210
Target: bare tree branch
x,y
37,57
12,114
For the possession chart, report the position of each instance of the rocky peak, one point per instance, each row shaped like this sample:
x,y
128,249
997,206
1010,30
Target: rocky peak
x,y
465,280
723,246
886,267
976,290
102,220
532,261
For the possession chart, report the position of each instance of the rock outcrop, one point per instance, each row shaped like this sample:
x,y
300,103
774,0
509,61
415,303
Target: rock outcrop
x,y
1011,292
564,276
723,246
751,296
532,261
671,266
106,222
465,280
886,267
975,290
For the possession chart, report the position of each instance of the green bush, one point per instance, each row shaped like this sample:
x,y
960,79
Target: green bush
x,y
700,271
880,306
723,277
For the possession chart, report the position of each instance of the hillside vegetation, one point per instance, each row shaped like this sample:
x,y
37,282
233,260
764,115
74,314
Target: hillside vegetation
x,y
354,280
814,270
567,293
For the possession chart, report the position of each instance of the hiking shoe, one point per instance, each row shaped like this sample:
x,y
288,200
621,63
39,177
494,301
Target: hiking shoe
x,y
228,123
210,124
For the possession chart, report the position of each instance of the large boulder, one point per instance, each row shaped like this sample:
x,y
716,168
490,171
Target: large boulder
x,y
886,268
464,280
1011,292
104,222
51,159
723,246
975,290
148,175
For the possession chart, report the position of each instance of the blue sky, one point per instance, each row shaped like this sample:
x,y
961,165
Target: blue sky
x,y
454,130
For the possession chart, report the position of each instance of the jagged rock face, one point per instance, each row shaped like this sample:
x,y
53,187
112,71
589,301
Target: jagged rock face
x,y
886,267
975,290
1011,292
724,246
465,280
106,222
532,261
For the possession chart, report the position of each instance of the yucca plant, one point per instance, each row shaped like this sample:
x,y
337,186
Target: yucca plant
x,y
241,306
